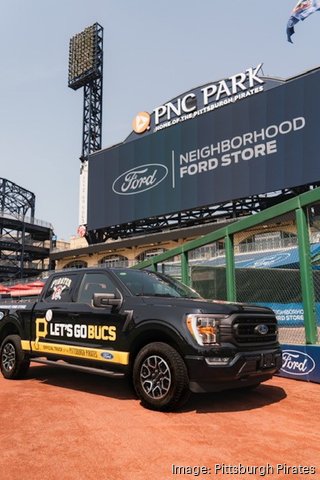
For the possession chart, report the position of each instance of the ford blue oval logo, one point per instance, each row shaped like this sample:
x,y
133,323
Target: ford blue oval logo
x,y
297,363
107,355
262,329
140,179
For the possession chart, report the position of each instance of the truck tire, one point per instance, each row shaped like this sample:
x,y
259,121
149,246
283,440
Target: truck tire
x,y
13,362
160,377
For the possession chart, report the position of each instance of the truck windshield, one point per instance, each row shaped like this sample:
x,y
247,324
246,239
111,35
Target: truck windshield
x,y
146,283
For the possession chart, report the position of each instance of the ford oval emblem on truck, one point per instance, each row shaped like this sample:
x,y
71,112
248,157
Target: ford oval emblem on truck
x,y
140,179
107,355
262,329
297,363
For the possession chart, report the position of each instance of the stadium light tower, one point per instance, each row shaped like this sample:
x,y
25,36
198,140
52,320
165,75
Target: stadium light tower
x,y
86,70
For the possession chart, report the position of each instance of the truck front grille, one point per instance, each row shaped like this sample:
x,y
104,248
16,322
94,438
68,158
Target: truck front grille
x,y
255,329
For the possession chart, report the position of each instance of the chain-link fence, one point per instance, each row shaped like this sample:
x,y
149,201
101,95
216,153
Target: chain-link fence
x,y
171,267
271,277
266,273
278,289
271,259
313,213
210,282
316,282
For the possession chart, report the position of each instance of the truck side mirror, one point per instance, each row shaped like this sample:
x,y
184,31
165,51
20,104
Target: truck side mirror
x,y
101,300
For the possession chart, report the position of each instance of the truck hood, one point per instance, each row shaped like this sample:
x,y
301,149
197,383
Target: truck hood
x,y
201,305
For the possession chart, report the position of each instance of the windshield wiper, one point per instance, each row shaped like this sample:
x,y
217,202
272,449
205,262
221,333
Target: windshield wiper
x,y
148,294
164,295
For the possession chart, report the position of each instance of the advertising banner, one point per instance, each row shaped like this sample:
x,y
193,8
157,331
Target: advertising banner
x,y
291,314
301,362
266,142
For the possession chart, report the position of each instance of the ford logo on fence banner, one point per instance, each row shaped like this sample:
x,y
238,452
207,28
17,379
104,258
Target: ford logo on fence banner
x,y
297,363
140,179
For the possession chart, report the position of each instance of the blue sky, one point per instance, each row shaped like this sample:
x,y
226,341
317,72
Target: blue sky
x,y
153,51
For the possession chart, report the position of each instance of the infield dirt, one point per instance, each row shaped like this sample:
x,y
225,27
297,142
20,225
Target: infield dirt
x,y
58,424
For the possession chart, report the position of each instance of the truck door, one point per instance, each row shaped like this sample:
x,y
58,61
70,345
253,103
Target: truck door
x,y
104,325
77,329
51,315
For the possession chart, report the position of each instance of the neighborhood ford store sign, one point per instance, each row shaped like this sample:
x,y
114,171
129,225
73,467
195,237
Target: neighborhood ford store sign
x,y
253,136
301,362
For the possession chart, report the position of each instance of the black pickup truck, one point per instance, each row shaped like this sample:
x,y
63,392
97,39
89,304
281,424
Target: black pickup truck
x,y
160,333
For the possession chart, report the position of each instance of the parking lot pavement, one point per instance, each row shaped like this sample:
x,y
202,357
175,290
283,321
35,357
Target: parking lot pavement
x,y
59,424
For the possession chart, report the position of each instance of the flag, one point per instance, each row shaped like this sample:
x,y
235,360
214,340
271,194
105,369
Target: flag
x,y
301,11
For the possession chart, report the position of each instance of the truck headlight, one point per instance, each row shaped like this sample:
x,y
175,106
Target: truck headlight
x,y
204,328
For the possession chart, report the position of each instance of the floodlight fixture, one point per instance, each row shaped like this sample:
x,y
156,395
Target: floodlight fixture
x,y
85,57
86,70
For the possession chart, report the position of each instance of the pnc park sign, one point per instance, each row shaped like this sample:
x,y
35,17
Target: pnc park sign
x,y
209,97
223,141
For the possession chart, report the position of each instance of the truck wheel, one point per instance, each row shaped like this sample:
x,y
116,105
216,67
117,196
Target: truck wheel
x,y
13,361
160,377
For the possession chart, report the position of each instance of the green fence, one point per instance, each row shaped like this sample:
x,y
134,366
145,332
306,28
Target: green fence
x,y
295,284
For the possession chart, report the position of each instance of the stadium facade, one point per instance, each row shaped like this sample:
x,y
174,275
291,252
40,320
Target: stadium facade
x,y
216,153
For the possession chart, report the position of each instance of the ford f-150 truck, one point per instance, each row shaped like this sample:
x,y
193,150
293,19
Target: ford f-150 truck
x,y
143,324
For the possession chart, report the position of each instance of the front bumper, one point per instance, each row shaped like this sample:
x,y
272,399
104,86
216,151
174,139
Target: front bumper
x,y
244,369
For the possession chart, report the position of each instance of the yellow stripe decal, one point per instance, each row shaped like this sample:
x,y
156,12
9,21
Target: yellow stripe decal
x,y
109,356
25,345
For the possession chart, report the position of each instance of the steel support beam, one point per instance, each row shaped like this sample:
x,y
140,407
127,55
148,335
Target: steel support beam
x,y
185,268
230,269
307,287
